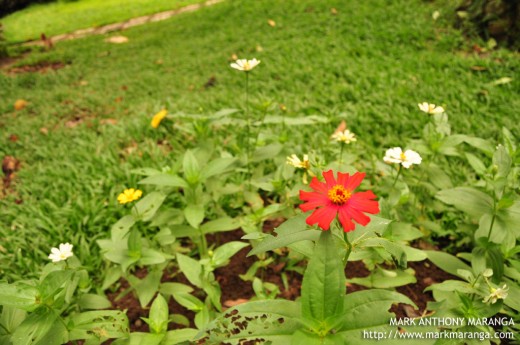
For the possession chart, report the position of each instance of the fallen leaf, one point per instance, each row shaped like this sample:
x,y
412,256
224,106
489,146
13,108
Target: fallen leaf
x,y
44,131
212,81
118,99
117,39
10,165
235,302
73,123
478,68
83,83
410,311
13,138
108,121
271,23
259,48
333,11
234,57
159,61
501,81
20,104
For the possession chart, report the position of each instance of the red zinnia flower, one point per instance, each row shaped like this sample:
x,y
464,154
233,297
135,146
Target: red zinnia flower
x,y
337,197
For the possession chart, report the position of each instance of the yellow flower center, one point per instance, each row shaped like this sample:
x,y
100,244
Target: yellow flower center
x,y
339,195
403,157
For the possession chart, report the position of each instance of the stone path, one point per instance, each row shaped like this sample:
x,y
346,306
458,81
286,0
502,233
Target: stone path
x,y
122,25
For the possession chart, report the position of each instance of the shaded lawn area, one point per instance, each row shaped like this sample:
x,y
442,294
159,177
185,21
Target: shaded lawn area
x,y
67,16
356,66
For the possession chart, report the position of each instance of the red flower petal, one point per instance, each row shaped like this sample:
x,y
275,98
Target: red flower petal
x,y
354,181
345,220
329,179
323,216
318,186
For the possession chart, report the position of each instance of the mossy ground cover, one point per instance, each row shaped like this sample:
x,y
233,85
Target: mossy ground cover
x,y
88,124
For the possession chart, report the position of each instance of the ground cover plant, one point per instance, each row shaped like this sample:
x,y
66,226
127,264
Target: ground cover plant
x,y
314,135
67,16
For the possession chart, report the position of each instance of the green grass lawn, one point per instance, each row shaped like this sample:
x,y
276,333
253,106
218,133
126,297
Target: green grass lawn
x,y
67,16
357,66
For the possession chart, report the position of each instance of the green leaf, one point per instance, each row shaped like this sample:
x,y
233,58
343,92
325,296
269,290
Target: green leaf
x,y
159,315
447,262
179,336
151,257
384,279
271,242
219,225
266,152
222,254
43,327
103,324
191,168
323,285
272,320
216,167
190,302
191,269
395,250
476,163
121,228
367,310
172,289
19,295
469,200
146,287
54,282
147,206
513,297
10,319
452,285
140,338
478,143
194,214
92,301
134,243
503,161
165,180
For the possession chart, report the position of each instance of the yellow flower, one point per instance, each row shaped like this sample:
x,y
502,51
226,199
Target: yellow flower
x,y
157,118
297,163
345,136
129,195
245,65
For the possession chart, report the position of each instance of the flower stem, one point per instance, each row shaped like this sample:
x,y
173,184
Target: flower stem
x,y
203,249
492,223
397,176
248,130
349,248
341,154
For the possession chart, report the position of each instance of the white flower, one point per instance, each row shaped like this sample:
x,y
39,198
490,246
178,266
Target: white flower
x,y
496,294
407,158
436,15
297,163
245,65
64,252
430,108
345,136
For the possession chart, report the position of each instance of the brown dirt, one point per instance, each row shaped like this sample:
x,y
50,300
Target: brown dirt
x,y
41,67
